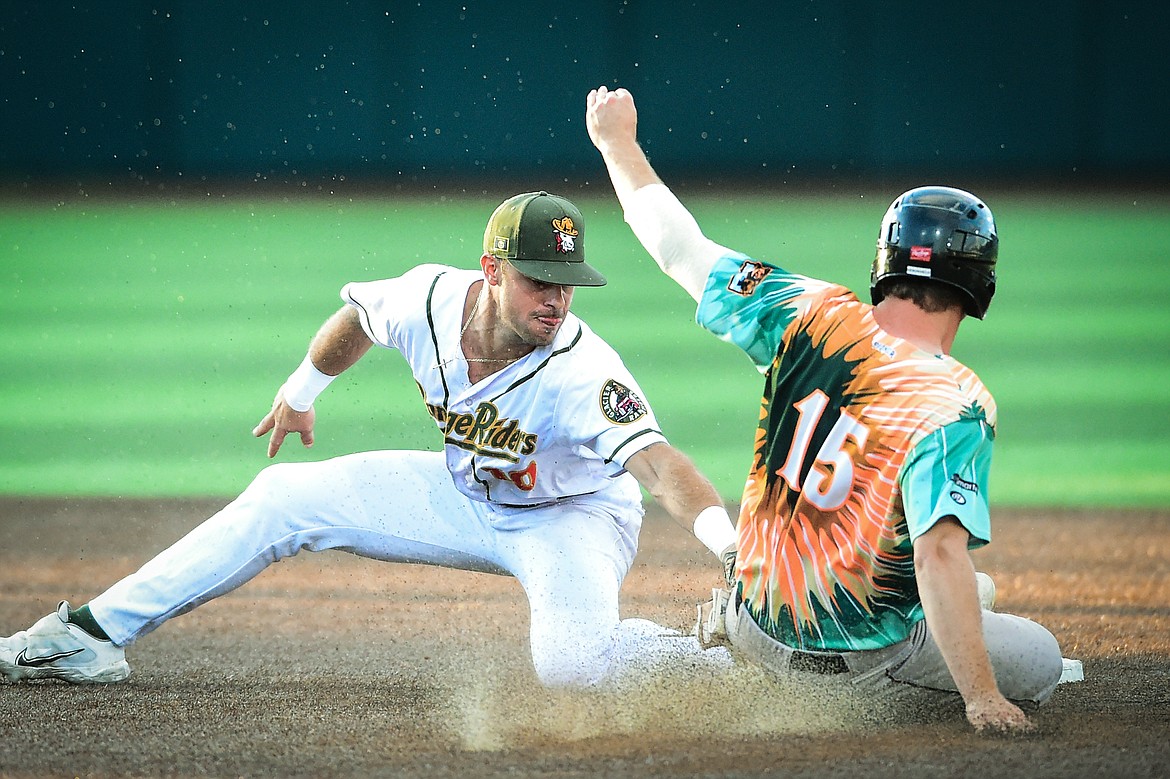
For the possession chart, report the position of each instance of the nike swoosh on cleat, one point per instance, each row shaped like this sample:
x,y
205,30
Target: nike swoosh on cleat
x,y
37,662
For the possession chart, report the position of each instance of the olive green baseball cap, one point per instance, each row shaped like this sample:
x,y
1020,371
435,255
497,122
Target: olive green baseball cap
x,y
543,236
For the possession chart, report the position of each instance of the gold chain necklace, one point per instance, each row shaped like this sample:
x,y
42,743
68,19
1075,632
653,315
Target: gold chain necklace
x,y
467,324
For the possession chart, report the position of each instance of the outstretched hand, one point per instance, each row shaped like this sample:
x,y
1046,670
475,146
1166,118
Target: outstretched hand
x,y
998,716
282,420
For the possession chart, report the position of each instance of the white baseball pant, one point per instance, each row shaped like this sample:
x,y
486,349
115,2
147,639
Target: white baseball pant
x,y
401,506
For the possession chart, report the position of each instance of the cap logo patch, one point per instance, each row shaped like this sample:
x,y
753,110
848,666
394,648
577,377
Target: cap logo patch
x,y
745,280
920,253
566,234
500,244
620,404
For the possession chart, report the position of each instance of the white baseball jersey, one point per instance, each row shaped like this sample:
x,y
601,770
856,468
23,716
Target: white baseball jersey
x,y
540,492
558,423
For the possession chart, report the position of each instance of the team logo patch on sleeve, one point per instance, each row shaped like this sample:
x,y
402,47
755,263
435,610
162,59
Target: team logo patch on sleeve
x,y
620,404
748,277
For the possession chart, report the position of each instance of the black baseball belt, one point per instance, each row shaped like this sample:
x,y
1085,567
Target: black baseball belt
x,y
823,663
543,504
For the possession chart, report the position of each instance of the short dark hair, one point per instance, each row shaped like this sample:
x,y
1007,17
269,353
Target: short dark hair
x,y
931,296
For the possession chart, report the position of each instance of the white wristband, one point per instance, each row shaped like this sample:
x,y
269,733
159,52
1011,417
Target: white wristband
x,y
713,527
304,385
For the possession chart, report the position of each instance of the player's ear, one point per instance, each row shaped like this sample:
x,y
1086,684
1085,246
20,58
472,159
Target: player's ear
x,y
493,268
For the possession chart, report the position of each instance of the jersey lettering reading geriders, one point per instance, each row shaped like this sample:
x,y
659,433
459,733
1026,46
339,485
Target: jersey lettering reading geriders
x,y
485,432
863,442
559,422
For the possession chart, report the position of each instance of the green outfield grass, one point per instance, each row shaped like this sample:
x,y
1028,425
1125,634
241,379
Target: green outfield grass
x,y
144,338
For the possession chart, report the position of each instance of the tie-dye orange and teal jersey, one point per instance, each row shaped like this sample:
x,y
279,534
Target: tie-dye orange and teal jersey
x,y
864,442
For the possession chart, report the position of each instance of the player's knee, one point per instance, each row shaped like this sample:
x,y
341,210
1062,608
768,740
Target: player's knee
x,y
281,501
277,484
283,511
1029,666
1048,667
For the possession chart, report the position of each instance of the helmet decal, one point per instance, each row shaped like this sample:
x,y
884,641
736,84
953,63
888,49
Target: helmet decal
x,y
920,253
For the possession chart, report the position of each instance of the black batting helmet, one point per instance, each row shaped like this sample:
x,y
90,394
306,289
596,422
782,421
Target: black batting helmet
x,y
943,234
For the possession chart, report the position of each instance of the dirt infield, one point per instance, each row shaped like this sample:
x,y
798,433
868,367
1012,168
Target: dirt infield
x,y
328,665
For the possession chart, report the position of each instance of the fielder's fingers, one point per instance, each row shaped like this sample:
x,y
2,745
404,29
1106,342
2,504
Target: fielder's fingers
x,y
621,93
266,424
275,442
307,438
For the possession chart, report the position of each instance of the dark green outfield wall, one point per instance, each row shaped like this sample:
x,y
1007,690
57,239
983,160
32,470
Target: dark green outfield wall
x,y
409,90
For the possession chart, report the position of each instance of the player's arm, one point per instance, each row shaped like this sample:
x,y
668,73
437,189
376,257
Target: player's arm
x,y
339,344
950,602
661,223
687,495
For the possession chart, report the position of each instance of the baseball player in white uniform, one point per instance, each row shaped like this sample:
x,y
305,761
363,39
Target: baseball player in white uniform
x,y
546,438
